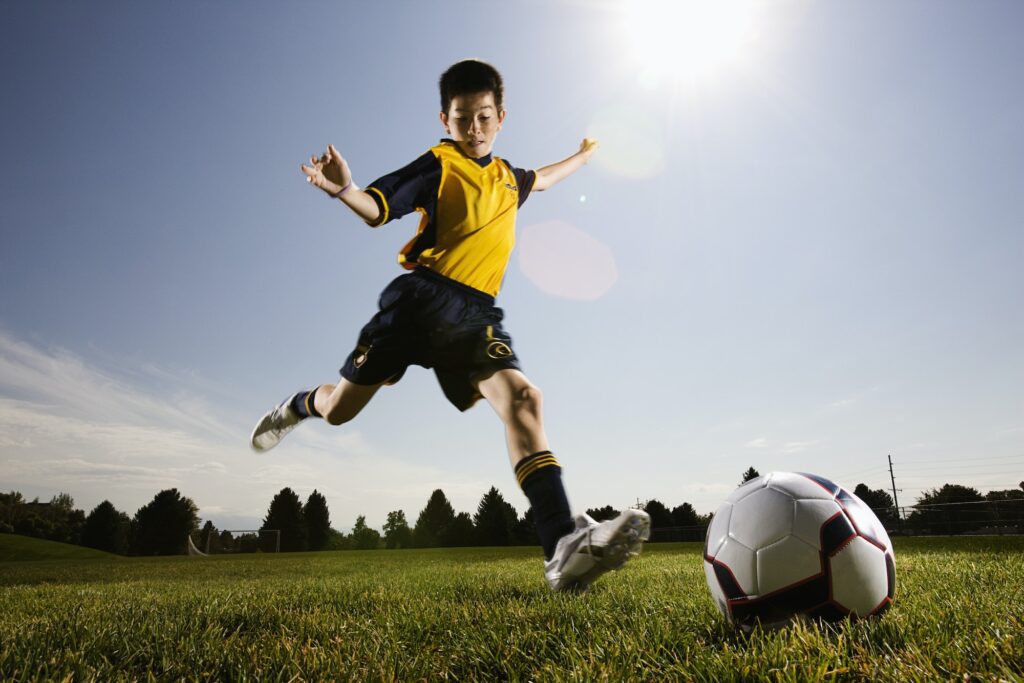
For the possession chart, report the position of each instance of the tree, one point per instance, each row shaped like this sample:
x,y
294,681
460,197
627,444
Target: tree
x,y
661,518
10,503
684,515
460,533
162,525
338,541
363,537
106,529
433,520
397,533
880,503
603,514
750,474
953,509
1006,507
526,532
495,520
285,514
318,521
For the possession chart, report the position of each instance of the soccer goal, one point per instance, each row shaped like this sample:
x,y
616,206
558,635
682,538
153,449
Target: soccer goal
x,y
234,541
191,549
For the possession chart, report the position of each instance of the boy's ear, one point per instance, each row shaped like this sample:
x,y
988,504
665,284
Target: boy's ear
x,y
444,122
501,117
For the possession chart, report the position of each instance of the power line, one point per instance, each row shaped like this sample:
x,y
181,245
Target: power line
x,y
961,459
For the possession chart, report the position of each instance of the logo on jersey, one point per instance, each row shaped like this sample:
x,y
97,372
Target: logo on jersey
x,y
499,350
514,188
359,359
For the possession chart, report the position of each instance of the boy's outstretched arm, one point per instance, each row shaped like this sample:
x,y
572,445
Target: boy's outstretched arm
x,y
332,175
549,175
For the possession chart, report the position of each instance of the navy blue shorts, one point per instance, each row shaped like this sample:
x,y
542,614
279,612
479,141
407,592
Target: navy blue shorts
x,y
429,320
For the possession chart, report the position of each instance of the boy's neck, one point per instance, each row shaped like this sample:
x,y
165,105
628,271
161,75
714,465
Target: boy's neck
x,y
480,161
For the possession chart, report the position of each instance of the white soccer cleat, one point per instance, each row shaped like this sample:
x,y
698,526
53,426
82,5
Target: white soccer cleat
x,y
269,431
594,548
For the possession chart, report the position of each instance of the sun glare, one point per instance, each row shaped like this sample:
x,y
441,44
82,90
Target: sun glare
x,y
687,41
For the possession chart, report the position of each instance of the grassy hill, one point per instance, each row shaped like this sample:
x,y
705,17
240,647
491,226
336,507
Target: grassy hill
x,y
14,548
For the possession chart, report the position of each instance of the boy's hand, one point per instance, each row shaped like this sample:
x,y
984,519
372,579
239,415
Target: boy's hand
x,y
330,172
588,147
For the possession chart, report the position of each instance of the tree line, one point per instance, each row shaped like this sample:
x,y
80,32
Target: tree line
x,y
161,526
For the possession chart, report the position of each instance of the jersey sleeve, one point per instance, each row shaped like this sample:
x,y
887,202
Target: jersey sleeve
x,y
524,181
407,189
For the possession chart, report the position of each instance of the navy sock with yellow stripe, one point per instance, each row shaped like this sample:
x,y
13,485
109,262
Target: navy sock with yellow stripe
x,y
540,477
304,404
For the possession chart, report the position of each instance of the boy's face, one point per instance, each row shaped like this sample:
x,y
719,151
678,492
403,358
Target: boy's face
x,y
473,121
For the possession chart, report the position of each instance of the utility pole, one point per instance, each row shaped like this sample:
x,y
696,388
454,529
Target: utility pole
x,y
892,478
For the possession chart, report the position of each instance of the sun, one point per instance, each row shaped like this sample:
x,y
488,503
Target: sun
x,y
687,41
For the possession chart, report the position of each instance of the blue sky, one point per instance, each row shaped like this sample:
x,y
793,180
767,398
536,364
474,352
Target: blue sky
x,y
806,257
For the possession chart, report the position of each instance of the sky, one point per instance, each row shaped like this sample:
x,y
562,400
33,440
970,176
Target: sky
x,y
798,247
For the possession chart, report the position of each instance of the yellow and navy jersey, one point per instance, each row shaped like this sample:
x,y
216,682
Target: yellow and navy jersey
x,y
468,206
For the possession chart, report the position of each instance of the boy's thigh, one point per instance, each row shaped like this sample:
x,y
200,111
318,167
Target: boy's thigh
x,y
479,353
390,342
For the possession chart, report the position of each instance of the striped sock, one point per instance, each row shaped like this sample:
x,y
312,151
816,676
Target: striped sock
x,y
540,477
304,404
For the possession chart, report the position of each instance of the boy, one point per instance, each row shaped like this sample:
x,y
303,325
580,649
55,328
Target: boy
x,y
441,315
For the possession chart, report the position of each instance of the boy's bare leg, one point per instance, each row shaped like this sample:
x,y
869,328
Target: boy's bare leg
x,y
336,403
576,552
339,403
519,404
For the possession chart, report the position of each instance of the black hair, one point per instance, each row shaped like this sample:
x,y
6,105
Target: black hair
x,y
469,77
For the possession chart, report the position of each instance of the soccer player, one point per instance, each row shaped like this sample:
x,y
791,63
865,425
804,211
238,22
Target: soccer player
x,y
442,313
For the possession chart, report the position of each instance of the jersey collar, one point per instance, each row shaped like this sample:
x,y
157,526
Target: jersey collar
x,y
482,162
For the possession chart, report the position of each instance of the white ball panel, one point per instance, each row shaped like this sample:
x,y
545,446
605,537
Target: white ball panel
x,y
743,563
859,580
785,563
718,530
799,486
809,516
747,489
716,590
762,518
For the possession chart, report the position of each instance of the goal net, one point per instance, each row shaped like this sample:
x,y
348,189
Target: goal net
x,y
191,549
234,541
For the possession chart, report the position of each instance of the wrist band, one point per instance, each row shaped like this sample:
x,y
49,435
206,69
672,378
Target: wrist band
x,y
337,195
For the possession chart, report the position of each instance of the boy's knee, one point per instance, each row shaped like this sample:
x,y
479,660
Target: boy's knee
x,y
337,415
528,400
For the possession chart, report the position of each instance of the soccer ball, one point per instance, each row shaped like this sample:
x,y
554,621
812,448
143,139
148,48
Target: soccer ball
x,y
788,544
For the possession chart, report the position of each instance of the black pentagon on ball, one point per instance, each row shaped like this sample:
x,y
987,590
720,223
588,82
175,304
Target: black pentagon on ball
x,y
822,482
835,533
890,571
728,582
781,605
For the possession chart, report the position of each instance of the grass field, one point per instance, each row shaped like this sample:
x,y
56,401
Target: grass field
x,y
486,614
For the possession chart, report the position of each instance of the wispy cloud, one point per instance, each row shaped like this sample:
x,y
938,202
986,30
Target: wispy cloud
x,y
796,446
70,425
759,442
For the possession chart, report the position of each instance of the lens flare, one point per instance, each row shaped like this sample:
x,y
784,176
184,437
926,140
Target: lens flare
x,y
564,261
632,141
